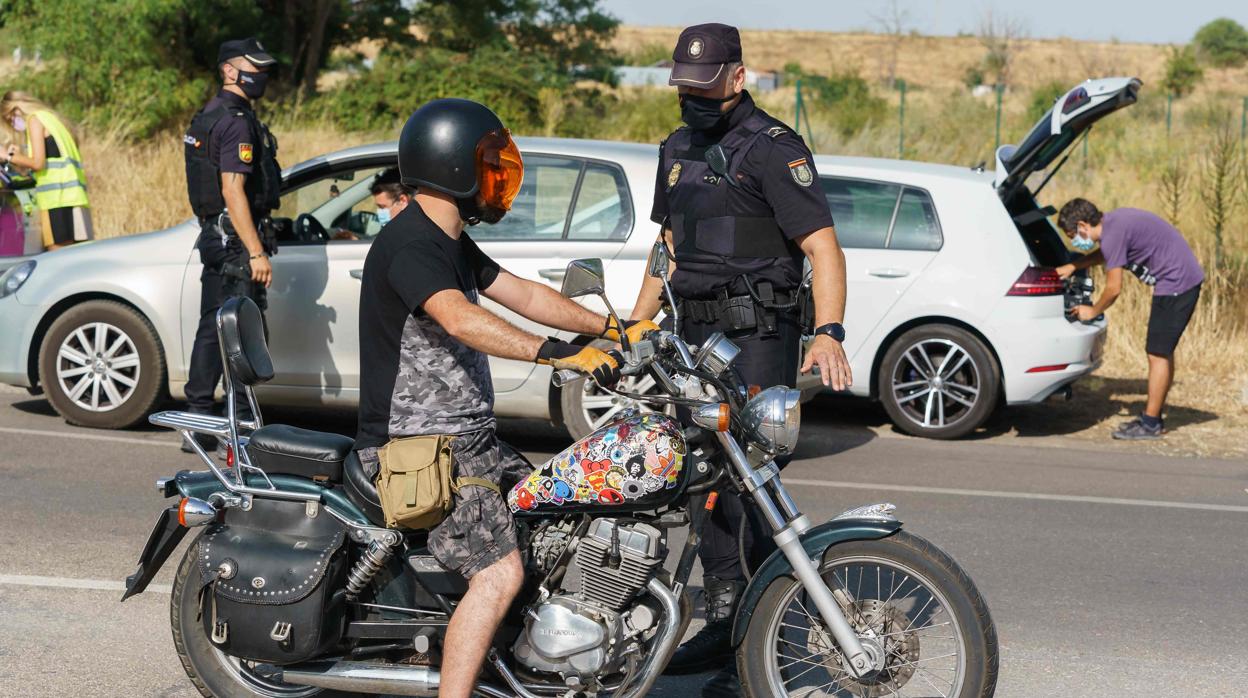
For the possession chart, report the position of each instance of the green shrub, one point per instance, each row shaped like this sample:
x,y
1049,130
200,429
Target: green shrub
x,y
973,76
648,54
1183,71
1043,97
1224,42
845,100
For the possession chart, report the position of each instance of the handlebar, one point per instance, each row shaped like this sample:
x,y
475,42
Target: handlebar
x,y
563,377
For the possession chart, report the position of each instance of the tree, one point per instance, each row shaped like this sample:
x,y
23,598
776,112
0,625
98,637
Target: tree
x,y
1223,42
893,21
1183,71
999,35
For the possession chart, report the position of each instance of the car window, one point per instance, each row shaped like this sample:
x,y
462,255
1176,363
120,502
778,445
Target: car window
x,y
603,210
861,210
916,227
340,206
540,211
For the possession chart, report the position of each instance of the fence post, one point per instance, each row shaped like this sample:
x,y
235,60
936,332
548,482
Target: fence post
x,y
997,141
1169,103
797,109
1243,122
901,122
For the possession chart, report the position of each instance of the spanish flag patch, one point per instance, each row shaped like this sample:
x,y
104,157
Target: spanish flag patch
x,y
244,152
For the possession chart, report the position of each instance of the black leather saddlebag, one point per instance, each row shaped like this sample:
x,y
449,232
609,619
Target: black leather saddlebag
x,y
273,582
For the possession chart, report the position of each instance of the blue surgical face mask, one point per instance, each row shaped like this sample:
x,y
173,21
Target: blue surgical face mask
x,y
1082,243
383,215
19,124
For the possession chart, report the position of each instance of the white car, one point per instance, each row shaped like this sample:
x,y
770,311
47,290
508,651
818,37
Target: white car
x,y
953,303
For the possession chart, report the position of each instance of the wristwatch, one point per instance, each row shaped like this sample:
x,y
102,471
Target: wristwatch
x,y
833,329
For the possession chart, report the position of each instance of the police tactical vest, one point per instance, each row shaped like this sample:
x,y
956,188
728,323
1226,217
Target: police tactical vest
x,y
62,182
705,230
203,177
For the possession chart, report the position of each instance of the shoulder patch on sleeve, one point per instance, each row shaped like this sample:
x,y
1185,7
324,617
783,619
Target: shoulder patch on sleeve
x,y
801,173
244,152
775,131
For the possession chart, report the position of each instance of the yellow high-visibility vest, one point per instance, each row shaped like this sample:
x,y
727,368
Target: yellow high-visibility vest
x,y
62,182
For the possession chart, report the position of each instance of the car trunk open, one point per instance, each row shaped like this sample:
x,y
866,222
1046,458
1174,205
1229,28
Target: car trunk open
x,y
1071,116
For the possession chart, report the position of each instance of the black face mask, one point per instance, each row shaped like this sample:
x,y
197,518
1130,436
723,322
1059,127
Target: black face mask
x,y
252,84
702,113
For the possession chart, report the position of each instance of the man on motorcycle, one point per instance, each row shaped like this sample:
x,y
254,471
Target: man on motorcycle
x,y
423,362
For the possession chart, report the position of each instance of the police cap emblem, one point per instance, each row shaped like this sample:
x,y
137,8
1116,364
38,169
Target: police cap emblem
x,y
801,172
673,175
695,48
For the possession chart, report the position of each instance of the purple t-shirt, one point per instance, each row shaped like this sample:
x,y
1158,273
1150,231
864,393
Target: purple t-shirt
x,y
1129,235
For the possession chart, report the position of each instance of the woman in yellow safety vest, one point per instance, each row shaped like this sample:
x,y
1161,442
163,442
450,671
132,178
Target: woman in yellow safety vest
x,y
60,191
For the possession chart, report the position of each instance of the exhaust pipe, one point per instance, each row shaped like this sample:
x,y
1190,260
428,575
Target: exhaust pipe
x,y
364,677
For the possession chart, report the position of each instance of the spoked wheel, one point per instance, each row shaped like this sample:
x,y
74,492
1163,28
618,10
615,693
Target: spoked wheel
x,y
920,619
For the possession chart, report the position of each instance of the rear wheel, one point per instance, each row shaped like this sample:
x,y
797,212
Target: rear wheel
x,y
101,365
938,381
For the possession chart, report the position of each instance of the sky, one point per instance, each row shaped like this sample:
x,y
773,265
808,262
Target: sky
x,y
1099,20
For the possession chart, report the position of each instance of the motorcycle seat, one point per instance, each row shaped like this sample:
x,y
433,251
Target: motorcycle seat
x,y
280,449
361,490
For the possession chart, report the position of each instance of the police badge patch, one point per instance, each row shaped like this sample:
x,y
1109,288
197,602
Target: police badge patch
x,y
801,172
244,152
673,175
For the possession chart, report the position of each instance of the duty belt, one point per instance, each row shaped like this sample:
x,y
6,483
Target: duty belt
x,y
739,313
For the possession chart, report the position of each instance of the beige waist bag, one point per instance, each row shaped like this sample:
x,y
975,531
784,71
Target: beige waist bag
x,y
417,481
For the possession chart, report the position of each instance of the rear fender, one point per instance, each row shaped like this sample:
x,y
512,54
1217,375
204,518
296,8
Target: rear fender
x,y
815,542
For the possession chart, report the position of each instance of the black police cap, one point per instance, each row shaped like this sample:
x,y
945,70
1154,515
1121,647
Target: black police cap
x,y
701,53
248,48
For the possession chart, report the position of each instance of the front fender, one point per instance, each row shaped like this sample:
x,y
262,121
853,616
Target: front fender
x,y
815,542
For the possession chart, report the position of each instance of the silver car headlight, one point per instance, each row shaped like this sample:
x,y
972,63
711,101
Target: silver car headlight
x,y
14,277
772,419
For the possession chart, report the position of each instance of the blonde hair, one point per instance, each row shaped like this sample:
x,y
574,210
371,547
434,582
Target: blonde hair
x,y
29,104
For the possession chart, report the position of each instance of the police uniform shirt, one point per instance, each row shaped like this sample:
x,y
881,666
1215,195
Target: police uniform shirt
x,y
230,142
780,170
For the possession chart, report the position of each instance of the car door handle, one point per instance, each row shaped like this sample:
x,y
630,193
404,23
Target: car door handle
x,y
552,274
889,273
357,273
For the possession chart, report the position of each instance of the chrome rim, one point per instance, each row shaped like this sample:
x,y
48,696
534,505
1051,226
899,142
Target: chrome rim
x,y
936,383
599,407
97,367
920,646
259,678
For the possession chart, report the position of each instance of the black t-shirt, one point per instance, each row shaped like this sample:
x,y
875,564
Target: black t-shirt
x,y
771,168
416,379
230,144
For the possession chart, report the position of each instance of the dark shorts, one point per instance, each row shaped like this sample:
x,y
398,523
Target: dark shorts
x,y
1169,319
67,225
479,531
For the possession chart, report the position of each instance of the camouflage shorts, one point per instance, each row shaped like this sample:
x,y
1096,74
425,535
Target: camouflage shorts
x,y
479,530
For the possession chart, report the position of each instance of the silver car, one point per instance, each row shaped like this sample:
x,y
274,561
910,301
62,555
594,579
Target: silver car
x,y
105,328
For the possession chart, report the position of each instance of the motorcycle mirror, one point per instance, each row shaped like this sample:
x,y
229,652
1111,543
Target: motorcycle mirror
x,y
659,261
584,277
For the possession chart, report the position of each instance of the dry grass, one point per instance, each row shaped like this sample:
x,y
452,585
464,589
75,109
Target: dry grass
x,y
142,187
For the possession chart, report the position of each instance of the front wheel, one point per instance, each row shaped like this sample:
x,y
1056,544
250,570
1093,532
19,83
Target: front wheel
x,y
922,620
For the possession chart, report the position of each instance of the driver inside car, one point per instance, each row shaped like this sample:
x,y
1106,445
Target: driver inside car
x,y
424,369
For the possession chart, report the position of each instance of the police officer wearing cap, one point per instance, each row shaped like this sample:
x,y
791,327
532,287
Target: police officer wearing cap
x,y
233,180
741,206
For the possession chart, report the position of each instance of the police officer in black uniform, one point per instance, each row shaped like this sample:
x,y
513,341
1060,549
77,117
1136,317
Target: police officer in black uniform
x,y
233,181
741,206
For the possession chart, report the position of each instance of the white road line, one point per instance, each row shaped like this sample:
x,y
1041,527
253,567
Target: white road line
x,y
90,437
23,580
1018,495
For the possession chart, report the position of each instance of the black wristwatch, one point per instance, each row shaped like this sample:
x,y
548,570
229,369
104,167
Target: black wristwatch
x,y
833,329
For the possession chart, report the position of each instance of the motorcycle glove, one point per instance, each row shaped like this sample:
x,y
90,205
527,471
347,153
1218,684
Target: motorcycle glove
x,y
635,330
603,366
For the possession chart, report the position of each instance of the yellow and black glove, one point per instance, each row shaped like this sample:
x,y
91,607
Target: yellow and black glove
x,y
603,366
633,329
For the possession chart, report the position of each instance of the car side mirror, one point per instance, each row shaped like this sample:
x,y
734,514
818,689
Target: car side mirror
x,y
584,277
659,261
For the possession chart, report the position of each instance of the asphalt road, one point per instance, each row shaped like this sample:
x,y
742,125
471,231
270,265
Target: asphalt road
x,y
1109,573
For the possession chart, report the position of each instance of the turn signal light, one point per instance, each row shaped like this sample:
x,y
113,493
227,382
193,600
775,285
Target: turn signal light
x,y
229,456
195,512
716,417
1038,281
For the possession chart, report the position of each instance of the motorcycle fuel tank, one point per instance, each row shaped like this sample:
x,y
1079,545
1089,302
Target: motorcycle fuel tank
x,y
633,464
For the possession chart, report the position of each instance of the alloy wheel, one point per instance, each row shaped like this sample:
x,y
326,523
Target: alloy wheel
x,y
600,407
97,367
935,382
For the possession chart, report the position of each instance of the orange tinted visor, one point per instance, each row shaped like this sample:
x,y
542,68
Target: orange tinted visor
x,y
500,169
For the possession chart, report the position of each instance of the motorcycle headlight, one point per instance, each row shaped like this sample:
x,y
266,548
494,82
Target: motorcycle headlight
x,y
772,419
13,279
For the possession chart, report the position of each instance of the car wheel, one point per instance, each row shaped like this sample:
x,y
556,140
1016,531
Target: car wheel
x,y
585,407
101,365
938,381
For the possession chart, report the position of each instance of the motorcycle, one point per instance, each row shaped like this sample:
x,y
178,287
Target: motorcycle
x,y
295,587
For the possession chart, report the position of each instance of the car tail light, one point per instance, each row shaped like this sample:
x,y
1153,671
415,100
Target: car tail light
x,y
1038,281
1046,369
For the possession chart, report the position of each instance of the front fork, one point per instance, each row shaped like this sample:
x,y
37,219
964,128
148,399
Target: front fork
x,y
789,524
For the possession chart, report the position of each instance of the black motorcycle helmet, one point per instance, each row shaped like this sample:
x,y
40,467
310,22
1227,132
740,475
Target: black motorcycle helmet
x,y
462,149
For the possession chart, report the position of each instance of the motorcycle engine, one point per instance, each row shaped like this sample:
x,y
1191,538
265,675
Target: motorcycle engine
x,y
587,633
